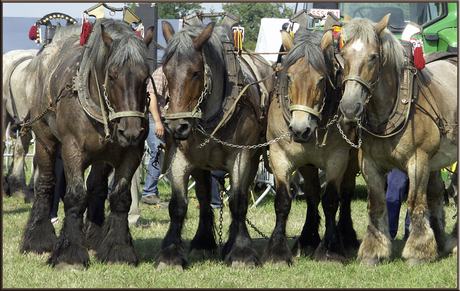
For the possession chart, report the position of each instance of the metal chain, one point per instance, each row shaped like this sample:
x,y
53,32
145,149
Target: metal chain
x,y
200,129
256,229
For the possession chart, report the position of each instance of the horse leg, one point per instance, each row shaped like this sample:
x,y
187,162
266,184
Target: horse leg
x,y
347,190
30,191
116,243
204,240
309,238
376,244
421,244
97,190
70,251
331,247
435,196
452,241
172,250
16,175
39,235
239,250
277,249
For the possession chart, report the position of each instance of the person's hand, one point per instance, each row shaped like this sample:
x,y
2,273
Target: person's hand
x,y
159,129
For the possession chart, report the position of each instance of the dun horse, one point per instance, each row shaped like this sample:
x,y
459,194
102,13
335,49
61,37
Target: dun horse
x,y
419,143
197,72
92,100
307,100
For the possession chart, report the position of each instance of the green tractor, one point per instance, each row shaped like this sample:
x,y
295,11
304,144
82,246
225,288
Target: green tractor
x,y
438,20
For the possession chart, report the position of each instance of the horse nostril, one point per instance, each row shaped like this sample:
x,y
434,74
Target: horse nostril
x,y
183,127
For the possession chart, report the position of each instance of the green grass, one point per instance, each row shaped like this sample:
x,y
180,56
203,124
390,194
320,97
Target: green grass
x,y
30,271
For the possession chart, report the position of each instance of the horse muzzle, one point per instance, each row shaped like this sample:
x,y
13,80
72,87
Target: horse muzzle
x,y
303,129
130,131
179,129
352,104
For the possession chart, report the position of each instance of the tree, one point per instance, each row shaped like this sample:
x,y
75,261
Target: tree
x,y
167,10
250,15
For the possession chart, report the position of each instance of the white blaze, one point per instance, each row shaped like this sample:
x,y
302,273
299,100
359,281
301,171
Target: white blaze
x,y
358,45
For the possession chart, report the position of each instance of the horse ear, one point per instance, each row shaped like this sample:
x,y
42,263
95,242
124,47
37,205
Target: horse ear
x,y
149,35
326,40
168,30
204,36
346,17
382,24
288,41
108,41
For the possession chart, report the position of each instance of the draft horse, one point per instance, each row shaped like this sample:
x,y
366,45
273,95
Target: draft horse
x,y
306,102
420,143
197,71
18,91
91,99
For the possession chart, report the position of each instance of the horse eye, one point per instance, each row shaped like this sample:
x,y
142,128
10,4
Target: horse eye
x,y
374,57
195,74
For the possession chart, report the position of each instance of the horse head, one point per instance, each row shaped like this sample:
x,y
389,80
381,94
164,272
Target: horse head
x,y
363,62
186,70
123,80
305,77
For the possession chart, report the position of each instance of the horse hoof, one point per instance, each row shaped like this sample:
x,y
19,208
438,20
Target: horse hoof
x,y
414,262
240,264
162,266
73,267
371,262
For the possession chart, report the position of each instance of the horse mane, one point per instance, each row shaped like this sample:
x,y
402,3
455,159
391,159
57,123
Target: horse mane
x,y
126,45
67,30
181,45
392,52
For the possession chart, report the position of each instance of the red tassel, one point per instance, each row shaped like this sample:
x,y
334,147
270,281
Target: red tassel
x,y
33,35
419,60
85,31
139,34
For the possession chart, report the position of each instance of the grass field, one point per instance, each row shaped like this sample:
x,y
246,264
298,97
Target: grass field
x,y
30,271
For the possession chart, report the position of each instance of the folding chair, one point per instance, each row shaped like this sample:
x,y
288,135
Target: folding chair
x,y
266,179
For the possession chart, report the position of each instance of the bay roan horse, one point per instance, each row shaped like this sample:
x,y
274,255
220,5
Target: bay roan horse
x,y
18,91
307,100
421,146
197,72
92,100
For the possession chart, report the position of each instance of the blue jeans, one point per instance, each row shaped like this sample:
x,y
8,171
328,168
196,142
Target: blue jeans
x,y
397,186
215,198
150,187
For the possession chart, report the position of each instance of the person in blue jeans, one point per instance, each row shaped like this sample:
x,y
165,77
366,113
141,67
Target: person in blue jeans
x,y
397,186
155,137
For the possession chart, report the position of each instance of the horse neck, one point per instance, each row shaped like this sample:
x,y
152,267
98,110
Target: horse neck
x,y
384,96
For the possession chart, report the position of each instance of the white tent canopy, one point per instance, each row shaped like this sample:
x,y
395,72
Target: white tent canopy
x,y
269,39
